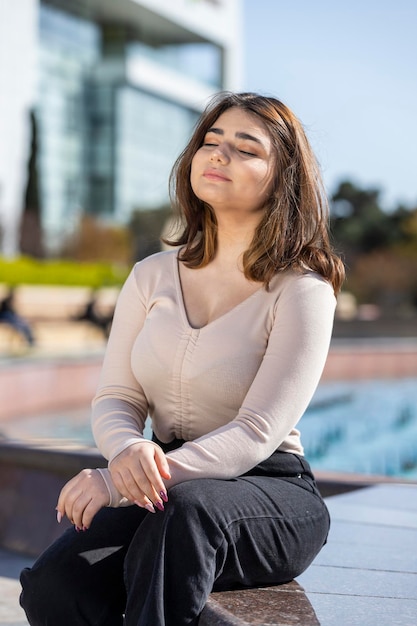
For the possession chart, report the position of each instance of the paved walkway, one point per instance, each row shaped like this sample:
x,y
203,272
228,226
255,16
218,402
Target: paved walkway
x,y
10,567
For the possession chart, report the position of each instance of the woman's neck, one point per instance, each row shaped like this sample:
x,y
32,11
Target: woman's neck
x,y
231,244
234,231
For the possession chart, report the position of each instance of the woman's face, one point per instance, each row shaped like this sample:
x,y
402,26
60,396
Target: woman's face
x,y
232,170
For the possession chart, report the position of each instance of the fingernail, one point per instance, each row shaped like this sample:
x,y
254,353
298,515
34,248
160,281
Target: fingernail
x,y
163,496
159,505
149,507
58,517
78,529
85,528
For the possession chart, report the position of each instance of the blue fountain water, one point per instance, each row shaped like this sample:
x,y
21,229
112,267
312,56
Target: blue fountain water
x,y
365,427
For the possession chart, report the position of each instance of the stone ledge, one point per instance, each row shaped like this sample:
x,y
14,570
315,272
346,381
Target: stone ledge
x,y
53,456
284,605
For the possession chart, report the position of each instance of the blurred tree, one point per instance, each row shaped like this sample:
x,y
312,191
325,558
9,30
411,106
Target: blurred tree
x,y
358,222
30,226
379,247
408,228
97,241
146,227
387,278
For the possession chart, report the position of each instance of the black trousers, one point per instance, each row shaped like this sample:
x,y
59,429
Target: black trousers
x,y
143,569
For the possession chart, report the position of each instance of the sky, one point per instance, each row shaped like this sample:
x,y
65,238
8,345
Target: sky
x,y
348,70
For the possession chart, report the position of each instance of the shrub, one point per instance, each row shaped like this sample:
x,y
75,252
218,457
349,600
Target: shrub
x,y
26,270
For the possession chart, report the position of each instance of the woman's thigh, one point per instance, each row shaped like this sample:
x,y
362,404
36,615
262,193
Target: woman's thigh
x,y
271,528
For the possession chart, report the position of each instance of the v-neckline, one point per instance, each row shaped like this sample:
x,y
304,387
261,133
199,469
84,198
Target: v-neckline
x,y
183,308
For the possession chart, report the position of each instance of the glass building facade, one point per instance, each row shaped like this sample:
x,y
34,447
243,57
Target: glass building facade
x,y
151,133
69,47
115,107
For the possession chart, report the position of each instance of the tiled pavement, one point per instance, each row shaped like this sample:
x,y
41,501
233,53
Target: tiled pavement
x,y
10,566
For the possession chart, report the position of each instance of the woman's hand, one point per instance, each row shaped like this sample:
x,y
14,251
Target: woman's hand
x,y
138,474
82,497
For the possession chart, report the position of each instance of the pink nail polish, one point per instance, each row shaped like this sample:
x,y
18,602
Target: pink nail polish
x,y
78,529
163,496
159,505
149,507
58,517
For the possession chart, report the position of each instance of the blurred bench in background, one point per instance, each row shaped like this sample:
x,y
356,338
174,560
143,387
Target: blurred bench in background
x,y
61,318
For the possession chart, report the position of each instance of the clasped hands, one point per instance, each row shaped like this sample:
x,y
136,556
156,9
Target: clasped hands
x,y
138,473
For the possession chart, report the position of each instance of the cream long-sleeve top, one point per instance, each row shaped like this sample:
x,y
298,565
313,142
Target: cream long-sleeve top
x,y
234,389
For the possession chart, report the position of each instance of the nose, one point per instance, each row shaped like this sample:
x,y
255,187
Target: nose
x,y
219,154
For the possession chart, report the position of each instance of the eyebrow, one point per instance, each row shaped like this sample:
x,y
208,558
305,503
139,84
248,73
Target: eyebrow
x,y
219,131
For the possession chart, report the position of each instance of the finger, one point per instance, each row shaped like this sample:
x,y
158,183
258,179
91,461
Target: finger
x,y
155,466
162,463
78,509
138,475
91,509
145,499
132,487
69,491
65,504
129,489
73,506
146,505
76,497
151,484
157,492
63,498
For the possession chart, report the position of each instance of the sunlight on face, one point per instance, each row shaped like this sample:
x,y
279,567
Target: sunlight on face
x,y
232,170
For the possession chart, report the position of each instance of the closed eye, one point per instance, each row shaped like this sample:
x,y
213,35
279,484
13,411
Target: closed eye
x,y
248,153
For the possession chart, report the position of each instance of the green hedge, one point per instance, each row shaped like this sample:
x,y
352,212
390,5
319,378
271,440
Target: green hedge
x,y
29,271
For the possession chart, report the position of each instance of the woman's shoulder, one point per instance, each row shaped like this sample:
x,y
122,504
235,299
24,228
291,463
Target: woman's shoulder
x,y
301,281
298,276
155,263
152,272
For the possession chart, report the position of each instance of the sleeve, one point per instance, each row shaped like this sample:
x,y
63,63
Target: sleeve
x,y
280,393
120,408
115,497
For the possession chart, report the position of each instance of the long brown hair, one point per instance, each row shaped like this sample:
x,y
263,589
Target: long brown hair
x,y
294,230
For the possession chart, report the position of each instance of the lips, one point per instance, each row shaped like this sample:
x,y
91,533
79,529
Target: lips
x,y
213,174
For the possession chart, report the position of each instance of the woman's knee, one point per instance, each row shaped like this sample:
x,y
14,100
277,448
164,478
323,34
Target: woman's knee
x,y
44,595
60,591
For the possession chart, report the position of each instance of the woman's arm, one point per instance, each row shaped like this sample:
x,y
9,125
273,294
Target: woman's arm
x,y
138,467
120,408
